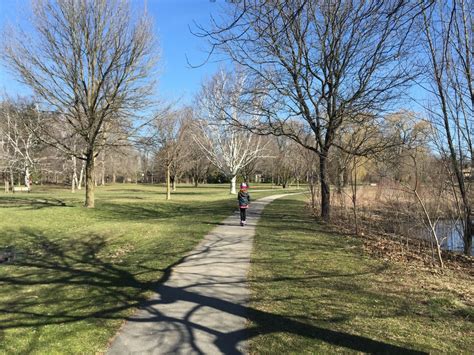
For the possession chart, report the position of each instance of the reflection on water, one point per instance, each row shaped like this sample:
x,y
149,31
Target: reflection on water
x,y
450,234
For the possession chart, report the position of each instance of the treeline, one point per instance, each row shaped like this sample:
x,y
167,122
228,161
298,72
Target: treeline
x,y
168,146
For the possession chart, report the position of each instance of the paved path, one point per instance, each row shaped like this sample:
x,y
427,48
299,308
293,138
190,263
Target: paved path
x,y
200,308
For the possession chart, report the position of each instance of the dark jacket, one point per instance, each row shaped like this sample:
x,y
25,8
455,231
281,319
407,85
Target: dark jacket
x,y
244,199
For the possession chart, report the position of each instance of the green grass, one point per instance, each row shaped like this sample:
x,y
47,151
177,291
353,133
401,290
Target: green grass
x,y
316,292
79,272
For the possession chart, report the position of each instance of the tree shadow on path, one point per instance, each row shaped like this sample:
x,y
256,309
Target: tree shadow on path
x,y
114,292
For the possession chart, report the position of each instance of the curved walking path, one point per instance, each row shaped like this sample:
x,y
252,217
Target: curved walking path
x,y
200,309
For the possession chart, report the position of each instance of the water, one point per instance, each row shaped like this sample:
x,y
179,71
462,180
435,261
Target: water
x,y
450,233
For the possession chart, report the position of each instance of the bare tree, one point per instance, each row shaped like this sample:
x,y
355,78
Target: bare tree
x,y
168,141
430,220
228,148
318,62
364,140
288,160
89,61
197,164
19,124
125,163
448,30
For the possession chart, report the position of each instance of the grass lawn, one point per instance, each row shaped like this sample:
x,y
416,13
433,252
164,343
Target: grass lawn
x,y
79,272
316,292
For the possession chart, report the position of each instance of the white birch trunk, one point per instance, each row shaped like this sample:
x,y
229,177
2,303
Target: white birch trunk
x,y
102,182
233,182
74,175
81,176
27,177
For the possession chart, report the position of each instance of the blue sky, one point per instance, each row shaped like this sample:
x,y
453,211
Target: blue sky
x,y
172,18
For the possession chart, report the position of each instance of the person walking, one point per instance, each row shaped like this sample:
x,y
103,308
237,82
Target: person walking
x,y
244,200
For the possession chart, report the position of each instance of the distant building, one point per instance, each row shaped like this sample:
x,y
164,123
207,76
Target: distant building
x,y
467,172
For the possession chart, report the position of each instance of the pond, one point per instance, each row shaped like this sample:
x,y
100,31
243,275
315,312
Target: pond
x,y
450,232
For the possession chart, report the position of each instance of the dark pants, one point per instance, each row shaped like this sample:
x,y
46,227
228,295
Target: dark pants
x,y
243,214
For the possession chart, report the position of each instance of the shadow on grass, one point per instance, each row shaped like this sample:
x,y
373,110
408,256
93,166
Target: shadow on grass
x,y
33,203
109,291
150,211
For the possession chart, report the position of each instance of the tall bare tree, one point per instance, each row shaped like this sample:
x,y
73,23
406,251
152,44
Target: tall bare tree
x,y
228,148
197,164
448,29
322,63
89,61
167,141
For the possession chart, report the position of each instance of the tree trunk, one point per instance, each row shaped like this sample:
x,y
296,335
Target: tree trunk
x,y
312,188
339,176
102,182
432,229
102,179
173,183
12,178
468,231
325,190
81,176
90,202
27,177
233,182
345,178
354,197
168,182
74,175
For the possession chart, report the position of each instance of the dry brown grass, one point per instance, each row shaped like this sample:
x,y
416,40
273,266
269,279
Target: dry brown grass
x,y
391,222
